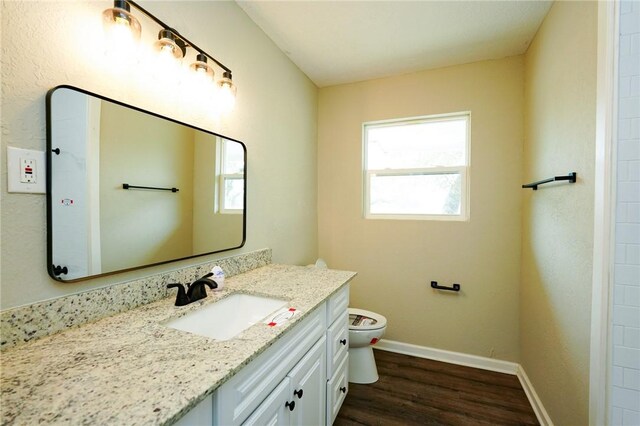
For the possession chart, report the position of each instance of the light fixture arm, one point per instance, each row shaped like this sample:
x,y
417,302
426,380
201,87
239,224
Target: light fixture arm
x,y
183,39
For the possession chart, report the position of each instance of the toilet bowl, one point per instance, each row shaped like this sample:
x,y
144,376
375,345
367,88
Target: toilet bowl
x,y
365,329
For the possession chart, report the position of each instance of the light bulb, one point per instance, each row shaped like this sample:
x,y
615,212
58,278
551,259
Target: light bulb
x,y
203,72
201,67
167,44
226,93
122,33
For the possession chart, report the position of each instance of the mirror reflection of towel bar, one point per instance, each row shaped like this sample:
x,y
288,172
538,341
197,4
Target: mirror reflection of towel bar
x,y
127,186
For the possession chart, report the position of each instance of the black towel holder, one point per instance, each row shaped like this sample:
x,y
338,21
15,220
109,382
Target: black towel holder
x,y
127,186
571,177
59,269
455,287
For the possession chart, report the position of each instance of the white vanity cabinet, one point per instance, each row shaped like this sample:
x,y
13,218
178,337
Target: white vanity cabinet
x,y
235,400
300,380
337,352
299,398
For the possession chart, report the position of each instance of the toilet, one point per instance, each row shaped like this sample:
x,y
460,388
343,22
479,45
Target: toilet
x,y
365,329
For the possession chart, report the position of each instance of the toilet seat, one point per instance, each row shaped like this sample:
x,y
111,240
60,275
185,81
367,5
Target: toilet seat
x,y
369,320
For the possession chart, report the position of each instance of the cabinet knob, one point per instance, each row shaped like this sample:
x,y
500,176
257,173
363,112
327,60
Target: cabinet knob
x,y
342,389
290,405
344,342
298,393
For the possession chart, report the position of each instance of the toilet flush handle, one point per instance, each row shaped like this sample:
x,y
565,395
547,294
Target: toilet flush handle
x,y
344,342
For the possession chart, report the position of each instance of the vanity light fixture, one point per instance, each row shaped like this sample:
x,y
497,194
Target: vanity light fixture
x,y
120,20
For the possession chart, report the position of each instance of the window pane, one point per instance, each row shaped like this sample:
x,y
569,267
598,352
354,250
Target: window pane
x,y
417,145
233,193
233,160
435,194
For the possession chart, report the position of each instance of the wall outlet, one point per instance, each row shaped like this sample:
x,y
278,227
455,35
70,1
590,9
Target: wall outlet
x,y
26,171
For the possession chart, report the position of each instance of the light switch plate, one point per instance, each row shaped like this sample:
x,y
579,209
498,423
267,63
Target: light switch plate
x,y
18,181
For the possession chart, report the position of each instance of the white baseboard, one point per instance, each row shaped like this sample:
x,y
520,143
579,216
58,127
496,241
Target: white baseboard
x,y
534,400
448,356
475,361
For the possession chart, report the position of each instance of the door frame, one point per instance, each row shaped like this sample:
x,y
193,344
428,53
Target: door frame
x,y
604,213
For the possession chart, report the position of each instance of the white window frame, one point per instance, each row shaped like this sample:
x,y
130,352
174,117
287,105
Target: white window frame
x,y
222,178
463,170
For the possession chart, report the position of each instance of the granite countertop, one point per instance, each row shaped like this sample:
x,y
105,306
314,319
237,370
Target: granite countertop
x,y
131,369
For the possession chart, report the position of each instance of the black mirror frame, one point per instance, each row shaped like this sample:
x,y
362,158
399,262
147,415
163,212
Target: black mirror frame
x,y
55,271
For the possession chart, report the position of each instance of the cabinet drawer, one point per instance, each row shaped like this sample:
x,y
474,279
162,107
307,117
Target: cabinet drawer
x,y
237,398
337,304
337,389
337,342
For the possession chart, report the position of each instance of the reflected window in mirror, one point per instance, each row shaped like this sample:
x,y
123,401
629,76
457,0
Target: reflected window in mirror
x,y
231,181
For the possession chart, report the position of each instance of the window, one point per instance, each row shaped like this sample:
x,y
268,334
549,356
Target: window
x,y
417,168
231,187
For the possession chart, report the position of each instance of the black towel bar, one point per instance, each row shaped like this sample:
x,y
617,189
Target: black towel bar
x,y
455,287
127,186
571,177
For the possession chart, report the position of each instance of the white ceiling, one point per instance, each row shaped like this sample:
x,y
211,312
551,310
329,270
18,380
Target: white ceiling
x,y
335,42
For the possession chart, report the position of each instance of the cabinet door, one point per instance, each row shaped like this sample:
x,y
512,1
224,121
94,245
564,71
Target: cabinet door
x,y
275,409
337,389
308,387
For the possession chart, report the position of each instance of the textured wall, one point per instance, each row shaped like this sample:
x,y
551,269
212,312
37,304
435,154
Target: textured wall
x,y
45,44
625,396
397,259
557,245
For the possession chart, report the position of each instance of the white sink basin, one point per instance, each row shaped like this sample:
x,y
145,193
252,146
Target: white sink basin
x,y
228,317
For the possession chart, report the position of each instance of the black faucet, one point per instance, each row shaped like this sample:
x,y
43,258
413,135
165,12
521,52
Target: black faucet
x,y
195,291
181,298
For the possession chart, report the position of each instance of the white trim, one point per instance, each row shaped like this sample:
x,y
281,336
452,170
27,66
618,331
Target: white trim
x,y
475,361
458,170
457,358
222,178
534,400
604,196
418,119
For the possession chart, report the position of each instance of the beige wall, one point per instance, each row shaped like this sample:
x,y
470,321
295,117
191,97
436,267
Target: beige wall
x,y
555,302
45,44
396,260
139,227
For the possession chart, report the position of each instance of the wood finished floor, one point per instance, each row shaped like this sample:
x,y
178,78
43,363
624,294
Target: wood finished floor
x,y
416,391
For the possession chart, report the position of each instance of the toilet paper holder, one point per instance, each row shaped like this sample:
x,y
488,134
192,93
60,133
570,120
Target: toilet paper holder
x,y
455,287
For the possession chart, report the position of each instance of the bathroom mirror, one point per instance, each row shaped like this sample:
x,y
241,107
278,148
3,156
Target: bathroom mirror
x,y
127,188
